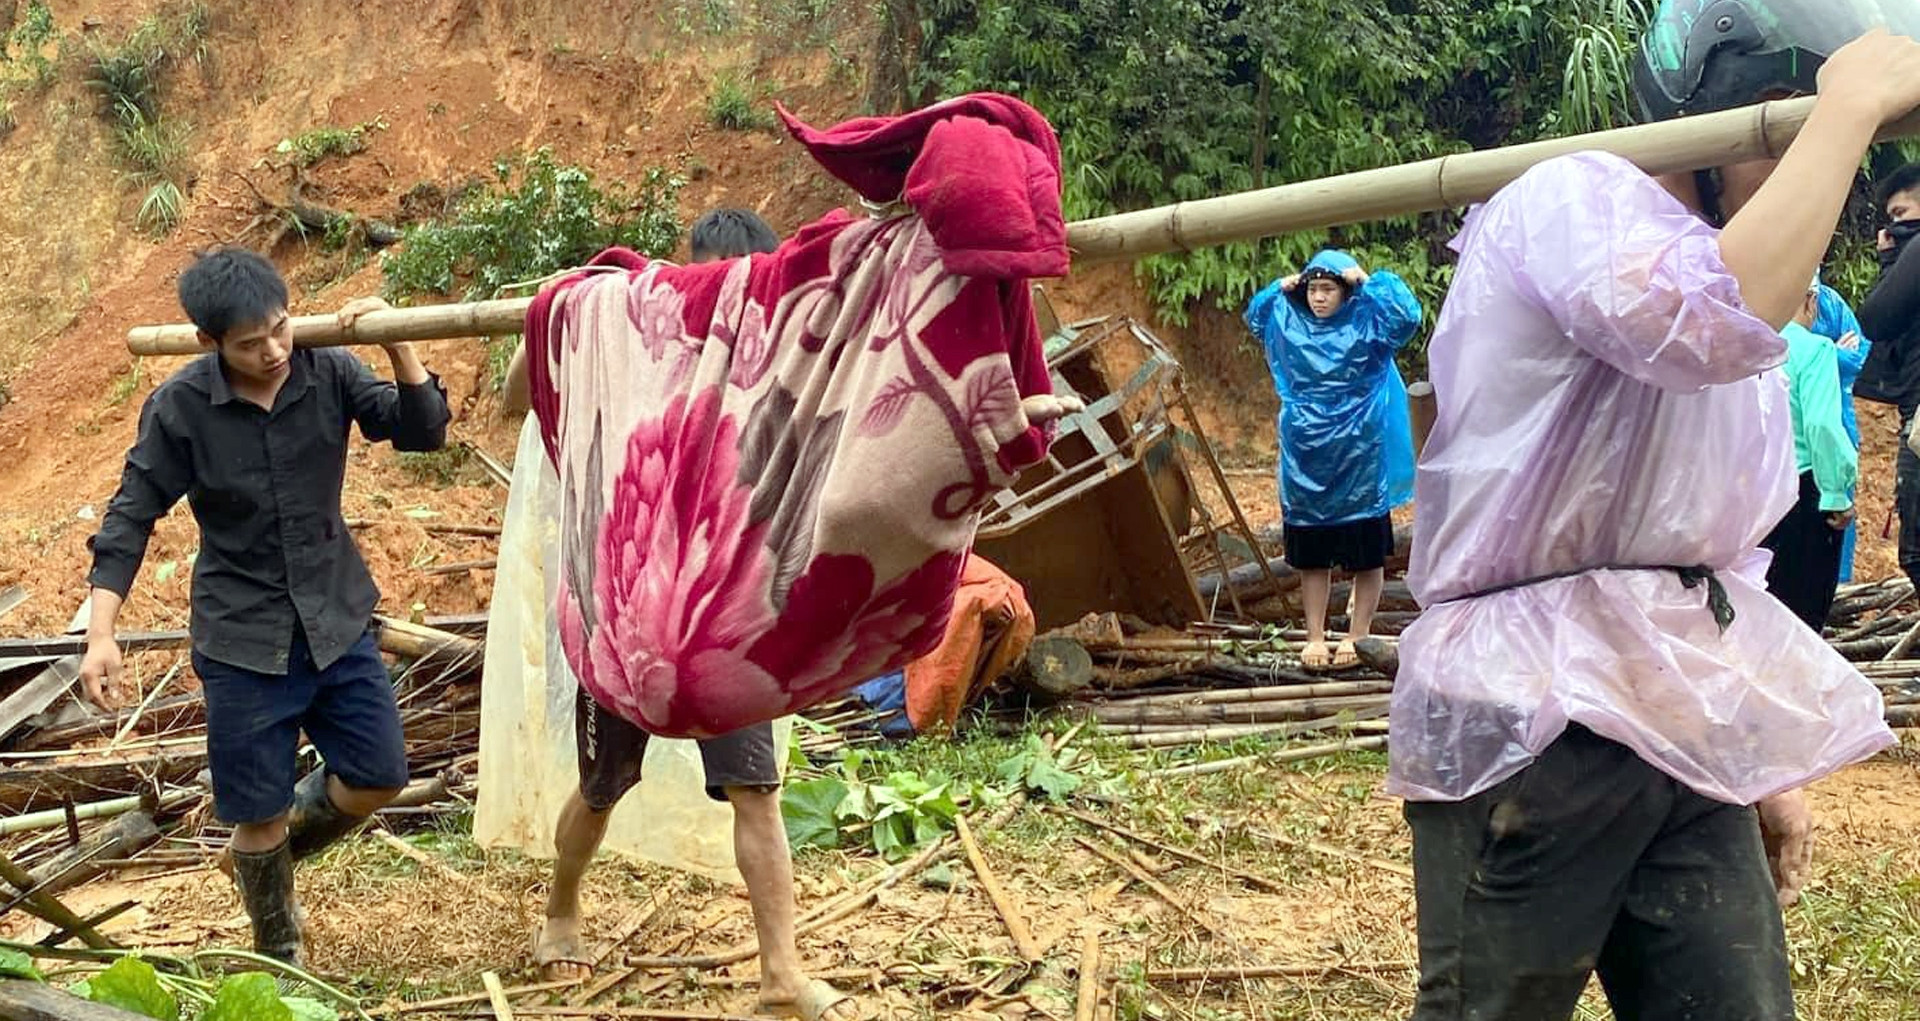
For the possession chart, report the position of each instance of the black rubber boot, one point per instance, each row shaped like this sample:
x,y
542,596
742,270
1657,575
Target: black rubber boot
x,y
265,879
314,822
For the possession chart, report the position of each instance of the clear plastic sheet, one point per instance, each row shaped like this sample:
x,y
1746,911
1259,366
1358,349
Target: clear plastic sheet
x,y
527,765
1606,401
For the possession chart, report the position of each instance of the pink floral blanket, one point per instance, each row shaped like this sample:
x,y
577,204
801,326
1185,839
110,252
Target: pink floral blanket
x,y
771,468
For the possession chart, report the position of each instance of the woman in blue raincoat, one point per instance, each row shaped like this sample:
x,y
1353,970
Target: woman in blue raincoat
x,y
1837,323
1346,445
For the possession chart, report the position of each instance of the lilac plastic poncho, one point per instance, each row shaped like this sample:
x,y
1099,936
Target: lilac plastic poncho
x,y
1605,400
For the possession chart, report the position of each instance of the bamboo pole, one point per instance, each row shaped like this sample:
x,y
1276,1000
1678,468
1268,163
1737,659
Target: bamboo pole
x,y
1761,131
500,317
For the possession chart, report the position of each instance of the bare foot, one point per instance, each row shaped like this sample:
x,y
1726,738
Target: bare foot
x,y
816,1001
557,952
1315,656
1344,655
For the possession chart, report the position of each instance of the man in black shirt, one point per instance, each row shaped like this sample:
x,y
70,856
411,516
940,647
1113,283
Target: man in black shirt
x,y
254,435
1891,316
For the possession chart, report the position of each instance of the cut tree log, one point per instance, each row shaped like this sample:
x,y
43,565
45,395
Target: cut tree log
x,y
1379,654
1056,666
121,838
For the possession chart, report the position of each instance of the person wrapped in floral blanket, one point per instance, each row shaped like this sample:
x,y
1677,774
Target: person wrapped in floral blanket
x,y
771,468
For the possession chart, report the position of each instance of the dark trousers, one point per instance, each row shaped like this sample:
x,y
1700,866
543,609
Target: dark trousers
x,y
1906,501
1806,558
1589,860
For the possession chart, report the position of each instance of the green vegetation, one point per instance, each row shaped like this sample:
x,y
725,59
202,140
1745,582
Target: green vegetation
x,y
735,104
24,65
448,466
190,988
23,50
537,217
1179,99
126,384
1167,100
313,146
129,78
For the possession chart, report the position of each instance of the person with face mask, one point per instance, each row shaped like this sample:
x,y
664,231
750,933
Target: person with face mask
x,y
1346,446
1891,315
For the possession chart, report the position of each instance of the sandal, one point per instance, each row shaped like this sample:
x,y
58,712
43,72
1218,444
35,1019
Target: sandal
x,y
1345,655
557,953
818,1001
1314,656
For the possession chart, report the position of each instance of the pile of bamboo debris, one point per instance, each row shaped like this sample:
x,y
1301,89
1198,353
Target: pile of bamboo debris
x,y
85,793
1147,687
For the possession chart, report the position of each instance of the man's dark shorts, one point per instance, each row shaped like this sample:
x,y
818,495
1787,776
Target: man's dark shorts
x,y
254,722
611,751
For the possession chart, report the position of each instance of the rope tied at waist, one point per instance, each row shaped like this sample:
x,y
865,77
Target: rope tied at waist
x,y
1690,577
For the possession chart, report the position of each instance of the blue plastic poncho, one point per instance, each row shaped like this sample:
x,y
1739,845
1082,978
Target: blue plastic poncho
x,y
1835,320
1346,445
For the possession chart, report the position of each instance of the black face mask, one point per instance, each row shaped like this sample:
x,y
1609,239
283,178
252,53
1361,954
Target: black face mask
x,y
1902,231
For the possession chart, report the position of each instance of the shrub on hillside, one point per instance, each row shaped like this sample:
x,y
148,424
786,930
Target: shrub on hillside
x,y
537,217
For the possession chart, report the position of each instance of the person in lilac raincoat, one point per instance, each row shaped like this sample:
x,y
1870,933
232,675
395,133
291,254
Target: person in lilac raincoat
x,y
1602,718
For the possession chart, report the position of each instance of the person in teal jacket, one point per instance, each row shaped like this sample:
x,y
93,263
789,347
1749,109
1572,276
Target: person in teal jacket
x,y
1806,543
1346,446
1835,321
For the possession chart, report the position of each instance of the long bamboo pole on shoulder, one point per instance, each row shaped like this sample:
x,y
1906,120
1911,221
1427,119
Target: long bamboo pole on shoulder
x,y
1762,131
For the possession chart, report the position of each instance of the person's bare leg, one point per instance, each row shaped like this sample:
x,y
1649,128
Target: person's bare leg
x,y
760,852
1314,589
258,837
1366,599
359,801
576,837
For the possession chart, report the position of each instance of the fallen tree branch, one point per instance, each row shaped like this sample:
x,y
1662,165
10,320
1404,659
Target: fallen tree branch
x,y
1023,940
1272,970
1199,859
1140,875
1272,758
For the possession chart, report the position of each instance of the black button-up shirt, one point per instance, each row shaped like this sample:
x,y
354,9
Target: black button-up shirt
x,y
265,490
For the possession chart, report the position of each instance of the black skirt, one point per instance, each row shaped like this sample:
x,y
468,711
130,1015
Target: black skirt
x,y
1351,545
1806,558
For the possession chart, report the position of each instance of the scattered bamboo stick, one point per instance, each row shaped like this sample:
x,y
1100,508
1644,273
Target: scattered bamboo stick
x,y
1140,875
834,910
442,868
1249,878
660,1013
1905,644
464,999
462,566
1274,970
48,908
1023,940
1272,758
496,996
444,527
1321,847
1087,997
1265,693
